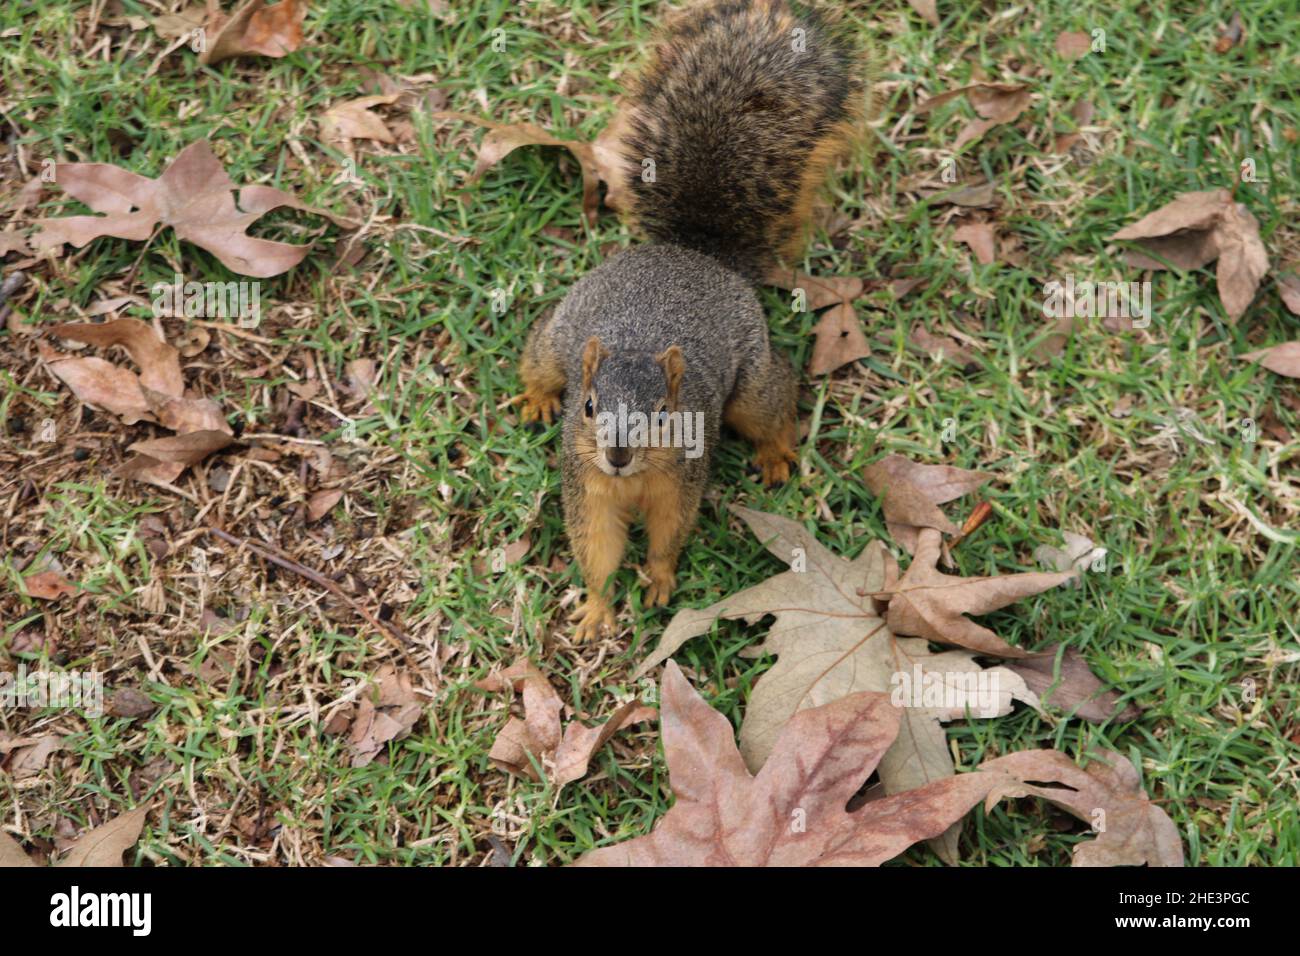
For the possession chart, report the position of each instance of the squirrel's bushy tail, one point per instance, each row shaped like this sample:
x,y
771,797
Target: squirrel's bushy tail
x,y
728,133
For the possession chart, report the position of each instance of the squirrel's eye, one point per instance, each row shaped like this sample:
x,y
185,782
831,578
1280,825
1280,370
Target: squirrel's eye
x,y
589,409
663,416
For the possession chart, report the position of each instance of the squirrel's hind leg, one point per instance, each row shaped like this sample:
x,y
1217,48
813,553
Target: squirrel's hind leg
x,y
542,373
763,408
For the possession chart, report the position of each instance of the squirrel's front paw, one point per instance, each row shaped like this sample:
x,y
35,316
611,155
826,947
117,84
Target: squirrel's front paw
x,y
537,406
593,619
775,462
662,581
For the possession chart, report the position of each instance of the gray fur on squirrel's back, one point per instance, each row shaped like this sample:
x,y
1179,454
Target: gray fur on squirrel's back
x,y
657,295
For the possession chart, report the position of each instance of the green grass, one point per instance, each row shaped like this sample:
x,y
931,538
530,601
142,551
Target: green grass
x,y
1195,604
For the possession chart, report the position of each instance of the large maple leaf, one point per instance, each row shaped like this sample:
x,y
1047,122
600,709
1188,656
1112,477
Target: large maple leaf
x,y
194,196
792,813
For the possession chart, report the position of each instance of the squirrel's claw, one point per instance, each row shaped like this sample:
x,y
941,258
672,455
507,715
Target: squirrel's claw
x,y
537,407
660,589
593,619
775,465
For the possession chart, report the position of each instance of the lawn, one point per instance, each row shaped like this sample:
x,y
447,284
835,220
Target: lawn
x,y
242,672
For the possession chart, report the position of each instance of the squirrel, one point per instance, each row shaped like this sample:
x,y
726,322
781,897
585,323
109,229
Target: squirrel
x,y
741,111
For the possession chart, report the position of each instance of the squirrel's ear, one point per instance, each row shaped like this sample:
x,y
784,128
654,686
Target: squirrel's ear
x,y
674,366
592,353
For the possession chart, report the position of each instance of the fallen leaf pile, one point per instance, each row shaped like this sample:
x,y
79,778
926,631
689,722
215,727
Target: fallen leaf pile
x,y
536,739
831,640
796,810
193,195
156,394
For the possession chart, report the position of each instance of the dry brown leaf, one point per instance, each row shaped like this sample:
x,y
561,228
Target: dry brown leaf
x,y
940,346
173,26
995,103
927,9
13,242
11,854
48,586
353,119
819,292
30,760
611,164
981,238
839,340
160,367
1288,287
1283,359
193,195
1073,45
580,743
503,139
910,494
1195,229
1108,795
387,712
523,745
320,503
104,845
927,603
1075,689
792,812
99,383
257,29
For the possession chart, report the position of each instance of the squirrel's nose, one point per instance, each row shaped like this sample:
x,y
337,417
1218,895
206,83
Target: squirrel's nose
x,y
618,457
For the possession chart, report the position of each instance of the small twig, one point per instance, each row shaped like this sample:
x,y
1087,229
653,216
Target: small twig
x,y
276,556
130,278
982,512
